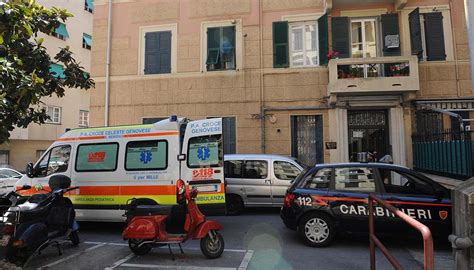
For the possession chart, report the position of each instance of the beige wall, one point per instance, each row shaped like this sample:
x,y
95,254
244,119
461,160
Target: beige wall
x,y
23,151
241,93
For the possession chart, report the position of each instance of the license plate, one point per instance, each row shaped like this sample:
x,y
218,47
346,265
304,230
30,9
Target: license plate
x,y
208,188
4,240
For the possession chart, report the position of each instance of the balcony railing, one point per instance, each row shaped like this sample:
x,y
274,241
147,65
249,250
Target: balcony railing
x,y
372,75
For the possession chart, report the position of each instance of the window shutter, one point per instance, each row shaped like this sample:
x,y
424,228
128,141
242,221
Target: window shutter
x,y
341,36
434,34
164,52
280,45
323,39
390,35
415,33
152,65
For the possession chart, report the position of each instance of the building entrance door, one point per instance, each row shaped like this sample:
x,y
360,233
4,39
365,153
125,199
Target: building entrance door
x,y
368,132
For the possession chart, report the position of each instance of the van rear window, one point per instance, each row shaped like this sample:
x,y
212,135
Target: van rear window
x,y
146,155
97,157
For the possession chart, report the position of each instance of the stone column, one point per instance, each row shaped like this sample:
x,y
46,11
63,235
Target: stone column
x,y
463,225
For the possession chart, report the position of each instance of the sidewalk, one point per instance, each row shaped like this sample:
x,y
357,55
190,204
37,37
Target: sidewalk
x,y
445,181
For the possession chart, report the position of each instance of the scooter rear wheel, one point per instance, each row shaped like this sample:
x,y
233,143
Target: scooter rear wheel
x,y
213,247
134,245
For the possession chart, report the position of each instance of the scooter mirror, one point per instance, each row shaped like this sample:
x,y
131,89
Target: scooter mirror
x,y
194,193
180,192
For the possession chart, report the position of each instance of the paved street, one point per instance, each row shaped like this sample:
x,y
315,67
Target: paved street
x,y
255,240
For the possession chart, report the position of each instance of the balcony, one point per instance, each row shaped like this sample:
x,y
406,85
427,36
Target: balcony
x,y
369,76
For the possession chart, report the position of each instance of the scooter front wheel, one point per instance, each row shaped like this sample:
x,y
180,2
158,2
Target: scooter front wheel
x,y
212,245
140,250
74,237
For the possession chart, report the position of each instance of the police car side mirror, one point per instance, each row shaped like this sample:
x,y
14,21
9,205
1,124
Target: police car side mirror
x,y
182,157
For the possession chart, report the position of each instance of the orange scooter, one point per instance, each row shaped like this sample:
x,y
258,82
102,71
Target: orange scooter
x,y
151,226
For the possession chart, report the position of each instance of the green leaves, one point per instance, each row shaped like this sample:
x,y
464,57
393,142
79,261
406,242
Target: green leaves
x,y
25,76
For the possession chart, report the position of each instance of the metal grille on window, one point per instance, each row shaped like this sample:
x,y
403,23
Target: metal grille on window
x,y
307,138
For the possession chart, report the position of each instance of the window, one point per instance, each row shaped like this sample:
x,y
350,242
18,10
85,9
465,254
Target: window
x,y
255,169
427,37
319,180
55,161
403,183
39,153
233,169
304,44
354,179
61,32
152,120
363,39
83,118
54,114
89,5
57,71
146,155
86,41
157,52
300,41
285,170
4,157
220,48
204,151
97,157
229,134
7,173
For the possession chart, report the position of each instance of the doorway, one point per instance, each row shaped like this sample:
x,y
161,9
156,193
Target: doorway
x,y
368,131
307,139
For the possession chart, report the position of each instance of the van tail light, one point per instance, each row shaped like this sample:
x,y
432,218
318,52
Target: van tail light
x,y
7,229
289,199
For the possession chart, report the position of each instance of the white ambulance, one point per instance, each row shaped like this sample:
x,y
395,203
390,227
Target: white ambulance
x,y
112,165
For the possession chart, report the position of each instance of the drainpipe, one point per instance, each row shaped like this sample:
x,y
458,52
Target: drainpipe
x,y
262,95
107,65
469,10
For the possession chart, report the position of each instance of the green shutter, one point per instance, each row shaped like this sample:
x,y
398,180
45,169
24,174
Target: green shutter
x,y
390,35
434,34
280,45
323,39
415,33
341,36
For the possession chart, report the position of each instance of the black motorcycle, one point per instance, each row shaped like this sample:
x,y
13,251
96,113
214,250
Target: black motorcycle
x,y
43,220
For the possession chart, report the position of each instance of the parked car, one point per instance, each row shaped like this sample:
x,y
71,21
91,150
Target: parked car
x,y
330,198
8,178
258,180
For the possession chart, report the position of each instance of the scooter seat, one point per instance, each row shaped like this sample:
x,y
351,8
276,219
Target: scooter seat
x,y
152,210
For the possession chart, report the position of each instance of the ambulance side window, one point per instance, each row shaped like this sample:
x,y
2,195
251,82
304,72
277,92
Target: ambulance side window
x,y
358,179
55,161
146,155
97,157
319,179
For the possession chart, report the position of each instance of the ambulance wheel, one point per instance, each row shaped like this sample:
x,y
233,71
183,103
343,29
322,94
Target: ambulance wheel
x,y
74,237
134,245
234,205
212,249
317,229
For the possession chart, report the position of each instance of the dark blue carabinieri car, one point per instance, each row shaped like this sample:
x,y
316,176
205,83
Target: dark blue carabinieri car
x,y
329,198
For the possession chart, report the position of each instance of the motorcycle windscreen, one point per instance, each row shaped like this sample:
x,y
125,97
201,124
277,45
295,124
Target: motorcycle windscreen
x,y
203,167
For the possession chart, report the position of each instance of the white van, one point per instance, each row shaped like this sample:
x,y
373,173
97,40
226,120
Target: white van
x,y
112,165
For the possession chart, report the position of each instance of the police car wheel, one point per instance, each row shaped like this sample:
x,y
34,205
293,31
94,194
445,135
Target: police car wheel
x,y
317,230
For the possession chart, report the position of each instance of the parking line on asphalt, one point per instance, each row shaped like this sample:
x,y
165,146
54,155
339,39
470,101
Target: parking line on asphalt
x,y
246,260
120,262
72,256
154,266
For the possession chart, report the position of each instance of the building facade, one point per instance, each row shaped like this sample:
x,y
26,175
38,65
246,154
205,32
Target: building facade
x,y
72,110
320,80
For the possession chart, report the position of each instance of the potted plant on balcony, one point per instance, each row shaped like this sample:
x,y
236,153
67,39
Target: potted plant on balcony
x,y
333,55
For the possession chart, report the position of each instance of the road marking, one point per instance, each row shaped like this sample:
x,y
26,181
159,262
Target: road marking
x,y
107,243
72,256
246,260
120,262
155,266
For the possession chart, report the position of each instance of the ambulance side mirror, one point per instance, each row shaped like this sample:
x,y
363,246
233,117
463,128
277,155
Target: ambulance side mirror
x,y
182,157
30,171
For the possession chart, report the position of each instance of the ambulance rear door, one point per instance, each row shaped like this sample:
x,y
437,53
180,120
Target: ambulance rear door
x,y
202,163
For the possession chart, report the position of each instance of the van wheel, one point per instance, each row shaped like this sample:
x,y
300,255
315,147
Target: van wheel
x,y
234,205
134,245
317,230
